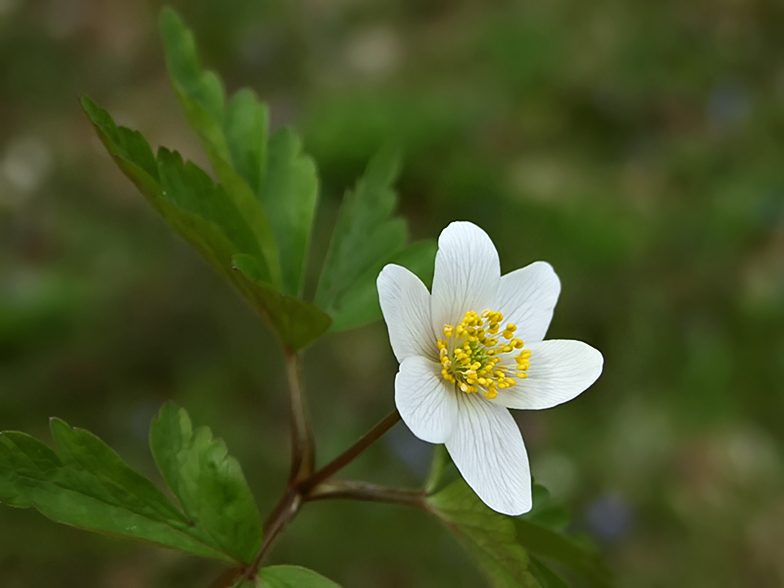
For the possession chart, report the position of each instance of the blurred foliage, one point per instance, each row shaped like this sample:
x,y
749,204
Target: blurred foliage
x,y
635,146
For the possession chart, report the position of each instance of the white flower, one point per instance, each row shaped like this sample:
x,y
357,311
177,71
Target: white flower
x,y
474,348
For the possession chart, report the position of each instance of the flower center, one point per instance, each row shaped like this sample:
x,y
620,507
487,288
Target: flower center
x,y
475,356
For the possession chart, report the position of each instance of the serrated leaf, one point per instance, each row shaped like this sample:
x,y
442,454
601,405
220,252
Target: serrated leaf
x,y
202,97
299,323
85,484
487,535
197,210
276,175
366,237
289,194
207,482
359,304
245,128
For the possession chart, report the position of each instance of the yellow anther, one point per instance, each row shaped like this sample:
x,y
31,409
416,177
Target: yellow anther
x,y
472,359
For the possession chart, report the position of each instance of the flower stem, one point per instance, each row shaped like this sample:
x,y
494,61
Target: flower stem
x,y
303,454
354,489
352,452
283,513
305,485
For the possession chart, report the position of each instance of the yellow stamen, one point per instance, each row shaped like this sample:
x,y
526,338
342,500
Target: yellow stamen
x,y
473,360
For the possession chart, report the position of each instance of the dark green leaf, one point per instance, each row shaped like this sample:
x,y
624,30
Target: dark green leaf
x,y
487,535
367,237
85,484
544,575
580,557
198,211
202,97
276,175
547,513
297,322
543,532
207,482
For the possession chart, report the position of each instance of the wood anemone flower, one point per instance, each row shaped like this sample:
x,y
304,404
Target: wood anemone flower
x,y
474,348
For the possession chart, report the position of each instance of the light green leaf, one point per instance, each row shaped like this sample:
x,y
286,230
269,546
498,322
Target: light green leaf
x,y
287,577
487,535
245,128
367,237
359,304
207,482
292,577
85,484
289,195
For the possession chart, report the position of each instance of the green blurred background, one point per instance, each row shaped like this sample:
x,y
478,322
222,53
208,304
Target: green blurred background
x,y
636,146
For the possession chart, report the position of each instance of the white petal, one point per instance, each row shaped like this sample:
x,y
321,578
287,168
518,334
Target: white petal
x,y
405,304
559,371
487,448
426,403
466,274
527,297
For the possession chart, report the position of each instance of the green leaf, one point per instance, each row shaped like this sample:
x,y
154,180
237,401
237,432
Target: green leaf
x,y
85,484
287,577
202,98
299,323
487,535
359,304
367,237
543,532
276,175
199,212
544,575
289,195
292,577
580,557
207,482
545,512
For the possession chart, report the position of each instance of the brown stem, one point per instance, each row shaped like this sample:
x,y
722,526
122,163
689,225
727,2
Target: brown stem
x,y
354,489
303,455
349,454
283,513
305,485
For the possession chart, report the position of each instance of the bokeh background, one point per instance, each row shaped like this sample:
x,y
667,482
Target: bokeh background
x,y
637,146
